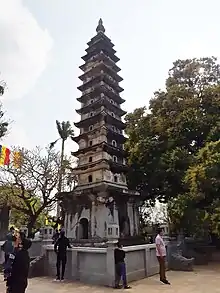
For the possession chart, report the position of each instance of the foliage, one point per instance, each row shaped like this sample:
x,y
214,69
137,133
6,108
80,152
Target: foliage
x,y
180,120
166,141
65,131
31,189
3,123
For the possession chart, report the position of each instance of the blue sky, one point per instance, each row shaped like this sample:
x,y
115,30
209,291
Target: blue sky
x,y
43,42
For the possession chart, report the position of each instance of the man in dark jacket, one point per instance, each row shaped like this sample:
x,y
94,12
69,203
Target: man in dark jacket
x,y
120,267
60,248
18,280
56,235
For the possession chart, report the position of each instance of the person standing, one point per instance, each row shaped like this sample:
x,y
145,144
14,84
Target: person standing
x,y
55,236
120,267
161,256
8,246
18,266
60,248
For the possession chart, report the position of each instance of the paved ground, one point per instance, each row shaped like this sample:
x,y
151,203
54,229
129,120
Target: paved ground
x,y
202,280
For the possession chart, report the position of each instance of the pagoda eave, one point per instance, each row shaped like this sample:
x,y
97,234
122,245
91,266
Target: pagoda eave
x,y
118,167
102,145
113,150
102,57
106,52
102,101
97,69
115,135
89,121
112,135
98,45
97,90
97,37
103,164
114,121
101,77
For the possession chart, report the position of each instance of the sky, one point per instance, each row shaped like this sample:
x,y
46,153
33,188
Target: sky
x,y
42,42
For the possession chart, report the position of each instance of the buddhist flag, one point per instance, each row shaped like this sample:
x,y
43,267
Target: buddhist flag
x,y
4,155
17,159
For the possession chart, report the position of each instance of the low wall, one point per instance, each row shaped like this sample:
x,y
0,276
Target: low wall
x,y
37,247
96,265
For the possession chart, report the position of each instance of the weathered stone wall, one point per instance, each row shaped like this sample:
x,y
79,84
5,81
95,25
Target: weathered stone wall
x,y
95,217
96,265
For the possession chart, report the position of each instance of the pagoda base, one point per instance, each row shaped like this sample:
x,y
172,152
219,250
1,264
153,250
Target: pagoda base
x,y
91,210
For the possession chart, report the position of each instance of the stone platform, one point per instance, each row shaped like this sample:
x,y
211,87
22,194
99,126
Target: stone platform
x,y
202,280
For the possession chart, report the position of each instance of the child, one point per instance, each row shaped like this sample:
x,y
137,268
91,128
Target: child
x,y
17,280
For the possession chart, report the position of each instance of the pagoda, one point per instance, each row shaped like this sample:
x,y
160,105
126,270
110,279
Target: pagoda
x,y
102,196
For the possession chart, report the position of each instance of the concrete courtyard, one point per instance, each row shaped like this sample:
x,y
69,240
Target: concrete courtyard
x,y
202,280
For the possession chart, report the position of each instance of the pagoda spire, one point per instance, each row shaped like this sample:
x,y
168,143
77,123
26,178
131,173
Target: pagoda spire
x,y
100,28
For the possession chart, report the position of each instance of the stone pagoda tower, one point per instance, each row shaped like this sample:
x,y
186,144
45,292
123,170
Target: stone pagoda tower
x,y
101,197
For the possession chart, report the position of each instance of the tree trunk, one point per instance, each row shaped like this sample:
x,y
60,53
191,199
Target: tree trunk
x,y
31,223
60,213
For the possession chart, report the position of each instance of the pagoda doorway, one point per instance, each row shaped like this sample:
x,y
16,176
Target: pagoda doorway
x,y
83,229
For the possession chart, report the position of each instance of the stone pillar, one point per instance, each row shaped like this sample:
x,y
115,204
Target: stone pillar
x,y
47,232
115,214
92,217
113,235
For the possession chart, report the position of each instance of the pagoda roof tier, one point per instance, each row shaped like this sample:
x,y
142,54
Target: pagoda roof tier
x,y
102,101
103,162
94,71
99,44
117,167
96,187
101,57
104,145
112,150
99,36
112,135
109,119
93,119
97,90
97,79
98,49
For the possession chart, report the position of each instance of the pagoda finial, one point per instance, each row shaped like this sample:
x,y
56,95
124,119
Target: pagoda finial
x,y
100,27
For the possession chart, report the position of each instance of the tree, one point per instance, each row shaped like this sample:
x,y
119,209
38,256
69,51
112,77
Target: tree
x,y
31,188
65,131
163,140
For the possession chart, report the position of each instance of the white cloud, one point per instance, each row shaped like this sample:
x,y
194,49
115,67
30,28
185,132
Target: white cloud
x,y
24,48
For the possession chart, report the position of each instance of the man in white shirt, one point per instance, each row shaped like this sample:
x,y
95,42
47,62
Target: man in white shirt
x,y
161,256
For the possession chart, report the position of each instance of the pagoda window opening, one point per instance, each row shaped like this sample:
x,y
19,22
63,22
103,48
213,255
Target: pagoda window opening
x,y
91,114
114,143
115,159
113,128
91,101
113,114
91,127
116,178
90,178
90,159
90,143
